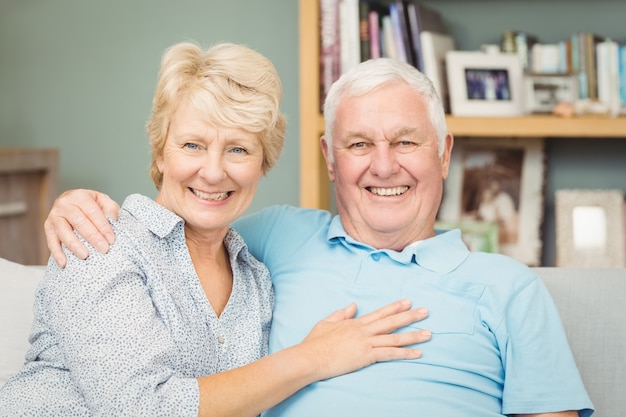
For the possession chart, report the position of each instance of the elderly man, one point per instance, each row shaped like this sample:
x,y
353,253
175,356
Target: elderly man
x,y
497,347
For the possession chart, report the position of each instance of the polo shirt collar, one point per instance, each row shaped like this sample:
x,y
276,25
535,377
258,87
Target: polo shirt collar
x,y
441,253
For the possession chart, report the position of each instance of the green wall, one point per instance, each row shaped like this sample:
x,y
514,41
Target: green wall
x,y
78,75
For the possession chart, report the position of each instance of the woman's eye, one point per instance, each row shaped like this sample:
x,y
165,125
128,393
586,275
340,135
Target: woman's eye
x,y
191,146
238,150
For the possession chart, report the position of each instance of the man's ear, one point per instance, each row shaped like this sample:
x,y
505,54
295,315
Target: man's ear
x,y
329,165
445,157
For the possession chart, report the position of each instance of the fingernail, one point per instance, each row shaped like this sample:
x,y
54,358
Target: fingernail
x,y
426,333
102,247
110,237
422,310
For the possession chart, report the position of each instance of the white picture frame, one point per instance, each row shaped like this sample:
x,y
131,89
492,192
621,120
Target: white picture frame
x,y
485,83
517,165
544,92
590,228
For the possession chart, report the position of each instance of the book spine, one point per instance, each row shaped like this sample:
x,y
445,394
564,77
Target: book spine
x,y
374,28
414,30
583,83
349,34
388,38
364,30
396,24
622,74
330,43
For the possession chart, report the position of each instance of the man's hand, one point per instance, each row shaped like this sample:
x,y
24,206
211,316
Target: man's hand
x,y
87,212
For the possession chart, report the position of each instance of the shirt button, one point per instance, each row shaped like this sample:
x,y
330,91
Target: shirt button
x,y
376,256
220,340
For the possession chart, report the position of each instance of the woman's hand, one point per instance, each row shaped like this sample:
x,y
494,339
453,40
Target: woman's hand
x,y
87,212
342,343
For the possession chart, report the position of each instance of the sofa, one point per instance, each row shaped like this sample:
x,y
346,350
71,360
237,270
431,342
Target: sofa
x,y
591,302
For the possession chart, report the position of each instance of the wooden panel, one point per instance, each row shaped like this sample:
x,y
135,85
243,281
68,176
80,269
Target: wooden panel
x,y
28,186
314,185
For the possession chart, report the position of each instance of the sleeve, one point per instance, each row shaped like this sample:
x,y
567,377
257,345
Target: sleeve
x,y
540,372
113,342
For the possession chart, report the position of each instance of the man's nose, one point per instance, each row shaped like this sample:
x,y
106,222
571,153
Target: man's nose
x,y
384,161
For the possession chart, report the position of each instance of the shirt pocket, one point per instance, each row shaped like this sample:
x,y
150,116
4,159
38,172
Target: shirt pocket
x,y
451,304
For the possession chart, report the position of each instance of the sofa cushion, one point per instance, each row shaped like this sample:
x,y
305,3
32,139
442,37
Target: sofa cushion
x,y
591,305
18,283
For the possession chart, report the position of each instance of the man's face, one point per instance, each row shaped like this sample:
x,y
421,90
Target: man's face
x,y
387,173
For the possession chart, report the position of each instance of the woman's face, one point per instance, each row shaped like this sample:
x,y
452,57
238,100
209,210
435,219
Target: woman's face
x,y
210,173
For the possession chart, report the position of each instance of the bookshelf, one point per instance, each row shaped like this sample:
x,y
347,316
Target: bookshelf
x,y
314,185
28,185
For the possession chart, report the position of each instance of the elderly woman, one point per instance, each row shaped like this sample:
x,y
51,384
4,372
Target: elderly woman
x,y
174,319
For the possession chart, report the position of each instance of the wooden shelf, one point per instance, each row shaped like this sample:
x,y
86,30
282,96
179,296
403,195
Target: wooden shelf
x,y
538,126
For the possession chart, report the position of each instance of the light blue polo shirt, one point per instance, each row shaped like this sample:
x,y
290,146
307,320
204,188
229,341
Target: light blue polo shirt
x,y
498,346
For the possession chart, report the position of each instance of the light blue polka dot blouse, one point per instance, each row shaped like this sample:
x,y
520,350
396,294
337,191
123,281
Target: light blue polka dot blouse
x,y
128,333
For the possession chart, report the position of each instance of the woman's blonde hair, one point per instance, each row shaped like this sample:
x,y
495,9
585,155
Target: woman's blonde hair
x,y
232,85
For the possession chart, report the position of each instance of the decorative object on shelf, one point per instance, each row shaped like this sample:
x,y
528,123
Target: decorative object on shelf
x,y
478,236
544,92
519,42
590,228
484,83
500,181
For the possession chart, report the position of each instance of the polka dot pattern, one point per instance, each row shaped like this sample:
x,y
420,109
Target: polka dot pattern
x,y
128,332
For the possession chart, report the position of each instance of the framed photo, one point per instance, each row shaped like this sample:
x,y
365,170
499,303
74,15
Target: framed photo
x,y
477,235
502,182
485,83
544,92
589,228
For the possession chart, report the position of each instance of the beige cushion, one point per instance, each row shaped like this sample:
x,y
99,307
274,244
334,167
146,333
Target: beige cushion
x,y
17,289
592,306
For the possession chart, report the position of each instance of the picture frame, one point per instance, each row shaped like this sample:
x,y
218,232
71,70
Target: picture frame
x,y
590,228
544,92
477,235
485,83
501,181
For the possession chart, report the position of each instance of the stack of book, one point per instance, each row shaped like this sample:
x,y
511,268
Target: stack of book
x,y
598,63
353,31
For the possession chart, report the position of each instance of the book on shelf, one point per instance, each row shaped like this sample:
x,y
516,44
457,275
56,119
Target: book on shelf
x,y
364,30
349,42
421,18
622,74
400,33
591,40
374,34
330,59
434,48
583,45
607,57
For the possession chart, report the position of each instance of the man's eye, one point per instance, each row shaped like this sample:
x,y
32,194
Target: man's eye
x,y
358,145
